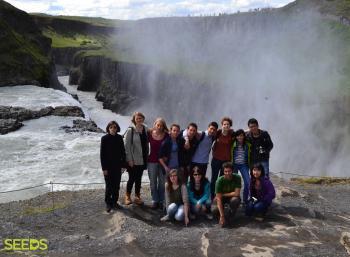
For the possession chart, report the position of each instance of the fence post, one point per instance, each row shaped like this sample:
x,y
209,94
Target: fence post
x,y
52,198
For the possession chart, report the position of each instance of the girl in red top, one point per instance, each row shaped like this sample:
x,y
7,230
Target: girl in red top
x,y
156,175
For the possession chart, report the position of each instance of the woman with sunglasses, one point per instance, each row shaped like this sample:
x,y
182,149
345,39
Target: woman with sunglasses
x,y
199,193
112,155
176,197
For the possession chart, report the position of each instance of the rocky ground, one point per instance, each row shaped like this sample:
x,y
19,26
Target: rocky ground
x,y
305,220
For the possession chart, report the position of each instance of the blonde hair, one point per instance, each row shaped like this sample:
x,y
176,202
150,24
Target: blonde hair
x,y
137,114
163,123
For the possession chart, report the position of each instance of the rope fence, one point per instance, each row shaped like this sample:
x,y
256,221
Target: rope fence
x,y
144,182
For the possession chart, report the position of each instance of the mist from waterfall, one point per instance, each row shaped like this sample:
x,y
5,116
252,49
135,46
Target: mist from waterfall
x,y
285,69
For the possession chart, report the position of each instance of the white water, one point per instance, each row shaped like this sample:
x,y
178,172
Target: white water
x,y
41,152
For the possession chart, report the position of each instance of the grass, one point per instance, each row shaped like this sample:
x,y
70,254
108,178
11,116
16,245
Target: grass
x,y
41,210
321,180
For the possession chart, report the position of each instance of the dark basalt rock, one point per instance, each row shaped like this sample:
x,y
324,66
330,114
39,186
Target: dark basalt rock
x,y
11,117
8,125
82,126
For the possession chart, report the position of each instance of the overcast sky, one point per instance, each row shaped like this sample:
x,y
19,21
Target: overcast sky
x,y
137,9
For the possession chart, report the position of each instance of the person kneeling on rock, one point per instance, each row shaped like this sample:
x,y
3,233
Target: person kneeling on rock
x,y
227,192
261,192
176,197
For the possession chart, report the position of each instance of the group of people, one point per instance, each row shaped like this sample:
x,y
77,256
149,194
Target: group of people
x,y
177,162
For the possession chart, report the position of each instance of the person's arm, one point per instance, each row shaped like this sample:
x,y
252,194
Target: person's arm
x,y
128,146
220,207
167,197
206,194
162,156
186,203
103,152
268,142
270,192
235,193
162,162
122,150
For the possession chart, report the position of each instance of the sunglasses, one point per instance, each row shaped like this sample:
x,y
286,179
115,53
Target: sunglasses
x,y
196,174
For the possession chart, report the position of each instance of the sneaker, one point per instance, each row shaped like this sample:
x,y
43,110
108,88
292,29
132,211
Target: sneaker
x,y
108,209
165,218
117,207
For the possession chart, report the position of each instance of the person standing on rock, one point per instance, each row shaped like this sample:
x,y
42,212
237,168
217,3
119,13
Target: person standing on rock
x,y
112,156
137,149
169,150
261,145
227,191
221,150
156,174
261,191
241,152
176,196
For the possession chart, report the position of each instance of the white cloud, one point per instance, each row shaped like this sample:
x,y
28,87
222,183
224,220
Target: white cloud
x,y
136,9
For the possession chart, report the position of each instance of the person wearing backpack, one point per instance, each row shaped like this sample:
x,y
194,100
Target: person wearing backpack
x,y
136,149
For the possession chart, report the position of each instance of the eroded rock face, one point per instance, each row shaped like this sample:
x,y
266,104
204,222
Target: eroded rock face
x,y
73,111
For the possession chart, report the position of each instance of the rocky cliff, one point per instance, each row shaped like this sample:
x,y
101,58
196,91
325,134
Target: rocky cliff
x,y
25,54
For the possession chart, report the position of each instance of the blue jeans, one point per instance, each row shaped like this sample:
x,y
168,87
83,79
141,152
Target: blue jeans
x,y
256,208
266,166
216,167
176,211
157,182
207,205
244,170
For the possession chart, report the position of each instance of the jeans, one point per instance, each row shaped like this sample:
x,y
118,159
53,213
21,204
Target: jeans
x,y
112,181
207,205
244,170
266,166
135,177
256,208
157,182
216,167
176,211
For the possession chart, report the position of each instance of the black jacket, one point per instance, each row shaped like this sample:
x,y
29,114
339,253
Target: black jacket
x,y
112,152
261,146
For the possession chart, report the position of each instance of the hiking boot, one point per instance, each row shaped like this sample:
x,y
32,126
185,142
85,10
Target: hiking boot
x,y
165,218
137,200
127,199
117,206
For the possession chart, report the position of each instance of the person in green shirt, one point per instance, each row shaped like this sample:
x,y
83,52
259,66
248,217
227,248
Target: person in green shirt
x,y
227,191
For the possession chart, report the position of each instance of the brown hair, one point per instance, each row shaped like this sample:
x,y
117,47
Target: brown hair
x,y
174,125
113,122
226,119
169,186
137,114
164,126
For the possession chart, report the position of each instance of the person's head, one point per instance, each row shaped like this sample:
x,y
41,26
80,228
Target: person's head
x,y
138,118
240,136
228,169
257,171
253,125
173,178
160,125
212,128
174,130
112,127
192,129
196,174
226,123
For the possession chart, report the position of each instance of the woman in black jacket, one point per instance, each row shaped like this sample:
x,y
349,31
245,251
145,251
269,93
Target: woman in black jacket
x,y
112,156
